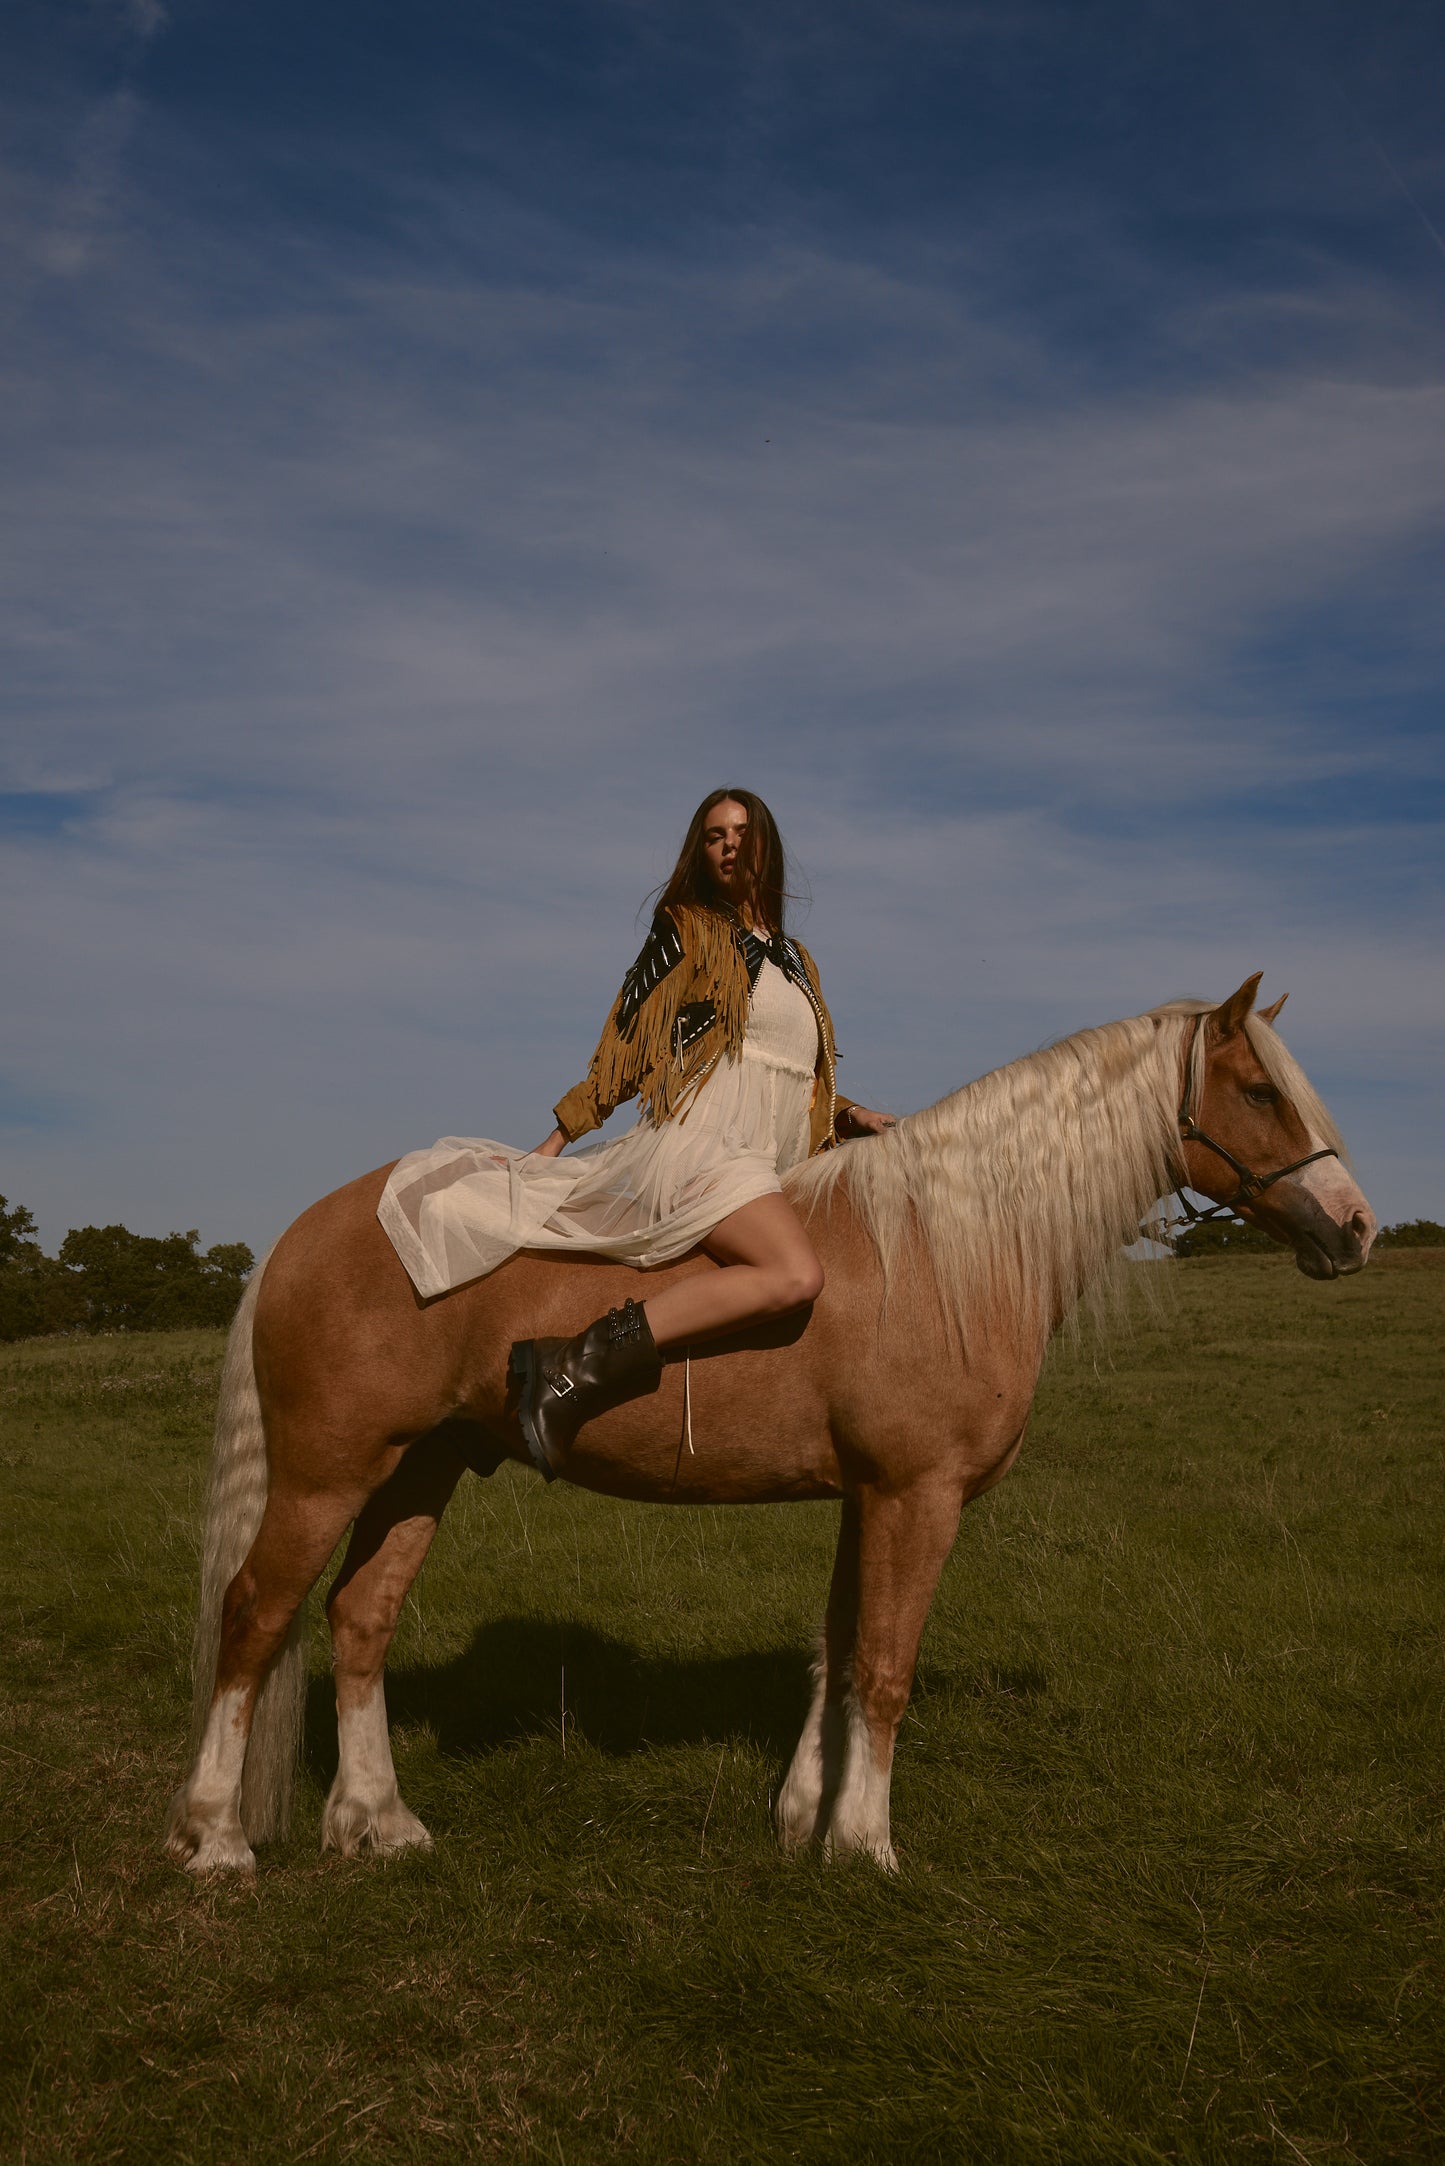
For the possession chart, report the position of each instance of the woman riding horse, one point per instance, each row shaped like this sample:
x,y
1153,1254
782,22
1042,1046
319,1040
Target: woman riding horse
x,y
721,1030
955,1244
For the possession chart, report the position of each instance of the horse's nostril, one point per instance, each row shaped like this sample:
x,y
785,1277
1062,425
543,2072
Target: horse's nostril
x,y
1364,1225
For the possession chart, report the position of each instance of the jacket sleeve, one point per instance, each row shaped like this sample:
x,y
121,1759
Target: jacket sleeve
x,y
615,1072
841,1100
841,1105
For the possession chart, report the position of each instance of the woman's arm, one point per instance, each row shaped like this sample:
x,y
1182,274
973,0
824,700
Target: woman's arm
x,y
616,1070
551,1146
855,1120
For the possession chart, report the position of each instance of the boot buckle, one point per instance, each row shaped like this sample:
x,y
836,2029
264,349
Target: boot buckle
x,y
559,1382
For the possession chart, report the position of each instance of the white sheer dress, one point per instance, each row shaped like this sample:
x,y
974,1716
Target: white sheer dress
x,y
456,1211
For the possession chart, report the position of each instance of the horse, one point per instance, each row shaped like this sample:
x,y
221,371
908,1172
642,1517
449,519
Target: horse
x,y
953,1246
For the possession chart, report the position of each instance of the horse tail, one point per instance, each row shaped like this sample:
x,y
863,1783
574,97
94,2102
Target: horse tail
x,y
235,1503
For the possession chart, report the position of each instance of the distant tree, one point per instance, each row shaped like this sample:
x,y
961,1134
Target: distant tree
x,y
17,1233
138,1282
1413,1233
35,1294
107,1278
1222,1237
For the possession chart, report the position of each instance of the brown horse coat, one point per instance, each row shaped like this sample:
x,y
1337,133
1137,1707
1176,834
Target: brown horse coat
x,y
951,1246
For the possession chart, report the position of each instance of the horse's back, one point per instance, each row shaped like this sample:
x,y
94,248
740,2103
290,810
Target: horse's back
x,y
800,1406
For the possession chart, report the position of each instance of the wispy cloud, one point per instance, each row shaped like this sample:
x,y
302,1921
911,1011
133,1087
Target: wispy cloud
x,y
82,211
569,542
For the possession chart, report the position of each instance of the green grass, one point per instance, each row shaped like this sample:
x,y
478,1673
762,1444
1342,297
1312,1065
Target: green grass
x,y
1167,1799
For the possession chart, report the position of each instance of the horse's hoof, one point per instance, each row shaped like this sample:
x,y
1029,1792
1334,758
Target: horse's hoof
x,y
354,1828
200,1847
858,1844
795,1820
223,1854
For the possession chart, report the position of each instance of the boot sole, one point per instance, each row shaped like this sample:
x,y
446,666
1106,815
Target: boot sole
x,y
523,1366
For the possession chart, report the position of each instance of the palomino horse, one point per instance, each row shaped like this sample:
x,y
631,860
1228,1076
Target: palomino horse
x,y
953,1245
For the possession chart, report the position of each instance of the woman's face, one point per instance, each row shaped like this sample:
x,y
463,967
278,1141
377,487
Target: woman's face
x,y
722,839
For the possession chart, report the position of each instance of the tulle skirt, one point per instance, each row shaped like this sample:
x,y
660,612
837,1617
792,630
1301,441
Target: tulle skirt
x,y
456,1211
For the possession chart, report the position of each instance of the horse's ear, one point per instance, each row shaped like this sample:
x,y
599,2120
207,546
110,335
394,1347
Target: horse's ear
x,y
1230,1017
1267,1015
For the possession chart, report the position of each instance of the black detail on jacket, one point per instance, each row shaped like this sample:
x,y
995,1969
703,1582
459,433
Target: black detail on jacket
x,y
779,950
662,951
694,1021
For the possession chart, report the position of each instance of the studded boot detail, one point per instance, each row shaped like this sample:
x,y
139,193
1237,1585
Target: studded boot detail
x,y
563,1383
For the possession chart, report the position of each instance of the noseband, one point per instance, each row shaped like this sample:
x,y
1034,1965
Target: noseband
x,y
1251,1184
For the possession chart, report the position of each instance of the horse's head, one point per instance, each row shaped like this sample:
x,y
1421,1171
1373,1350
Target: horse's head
x,y
1255,1137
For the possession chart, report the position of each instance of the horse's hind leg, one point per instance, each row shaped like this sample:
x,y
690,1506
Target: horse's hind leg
x,y
388,1545
902,1543
807,1794
296,1536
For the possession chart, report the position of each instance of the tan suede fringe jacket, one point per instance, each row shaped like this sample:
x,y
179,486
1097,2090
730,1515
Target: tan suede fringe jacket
x,y
682,1008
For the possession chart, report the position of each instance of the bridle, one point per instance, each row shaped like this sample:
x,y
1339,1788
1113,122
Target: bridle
x,y
1251,1184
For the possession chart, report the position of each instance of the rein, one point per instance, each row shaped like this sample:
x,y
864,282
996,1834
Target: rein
x,y
1251,1184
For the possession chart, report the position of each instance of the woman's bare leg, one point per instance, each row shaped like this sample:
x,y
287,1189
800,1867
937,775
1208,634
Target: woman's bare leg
x,y
771,1268
562,1383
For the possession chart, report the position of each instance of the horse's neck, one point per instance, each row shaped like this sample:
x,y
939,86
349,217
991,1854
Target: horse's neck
x,y
1041,1172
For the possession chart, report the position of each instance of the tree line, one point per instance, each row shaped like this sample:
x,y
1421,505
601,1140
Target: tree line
x,y
106,1278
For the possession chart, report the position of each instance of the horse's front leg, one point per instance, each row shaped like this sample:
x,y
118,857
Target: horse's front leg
x,y
389,1542
807,1794
903,1540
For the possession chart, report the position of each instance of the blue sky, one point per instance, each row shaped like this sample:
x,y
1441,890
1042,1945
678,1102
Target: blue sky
x,y
443,441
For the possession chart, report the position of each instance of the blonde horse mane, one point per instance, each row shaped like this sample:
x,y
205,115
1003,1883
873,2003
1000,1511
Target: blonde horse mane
x,y
1022,1190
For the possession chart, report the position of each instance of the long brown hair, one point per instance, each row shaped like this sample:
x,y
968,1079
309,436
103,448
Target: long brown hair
x,y
762,862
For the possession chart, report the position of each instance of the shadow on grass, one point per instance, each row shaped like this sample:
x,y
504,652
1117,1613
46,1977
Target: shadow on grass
x,y
509,1685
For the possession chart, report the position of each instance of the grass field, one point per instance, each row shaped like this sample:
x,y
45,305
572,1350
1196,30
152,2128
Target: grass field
x,y
1168,1800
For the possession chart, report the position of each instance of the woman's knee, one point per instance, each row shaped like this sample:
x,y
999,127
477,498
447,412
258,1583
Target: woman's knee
x,y
798,1282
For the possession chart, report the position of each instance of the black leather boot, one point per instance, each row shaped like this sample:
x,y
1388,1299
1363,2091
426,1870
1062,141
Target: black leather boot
x,y
564,1382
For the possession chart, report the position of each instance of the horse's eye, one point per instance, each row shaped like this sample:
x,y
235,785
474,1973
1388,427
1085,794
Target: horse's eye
x,y
1262,1094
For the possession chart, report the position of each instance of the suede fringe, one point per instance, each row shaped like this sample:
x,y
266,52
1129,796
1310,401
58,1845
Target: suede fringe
x,y
643,1060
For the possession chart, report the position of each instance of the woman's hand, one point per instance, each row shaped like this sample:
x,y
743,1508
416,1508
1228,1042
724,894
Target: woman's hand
x,y
863,1121
553,1146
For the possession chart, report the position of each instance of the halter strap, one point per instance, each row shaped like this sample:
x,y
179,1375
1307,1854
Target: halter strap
x,y
1251,1184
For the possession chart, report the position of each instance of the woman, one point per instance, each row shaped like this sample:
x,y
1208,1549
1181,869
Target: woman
x,y
720,1029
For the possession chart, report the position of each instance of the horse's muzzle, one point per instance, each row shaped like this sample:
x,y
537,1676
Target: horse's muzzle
x,y
1324,1247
